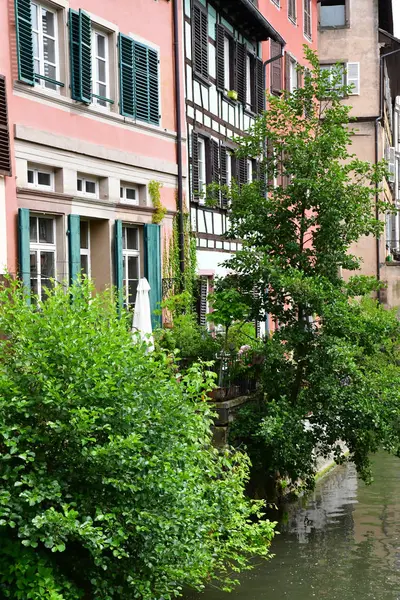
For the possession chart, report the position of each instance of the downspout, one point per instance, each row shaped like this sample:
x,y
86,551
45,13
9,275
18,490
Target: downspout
x,y
181,234
267,62
377,123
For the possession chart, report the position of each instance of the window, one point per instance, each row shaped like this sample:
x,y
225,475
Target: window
x,y
342,74
202,165
139,81
332,13
45,51
250,174
229,169
42,254
227,63
131,262
293,75
86,186
292,13
129,194
40,178
85,247
100,68
200,41
276,68
307,18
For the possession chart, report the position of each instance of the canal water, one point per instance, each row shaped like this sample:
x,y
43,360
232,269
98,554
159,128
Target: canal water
x,y
340,543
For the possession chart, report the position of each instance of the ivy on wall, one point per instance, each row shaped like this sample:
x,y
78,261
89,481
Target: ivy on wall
x,y
155,196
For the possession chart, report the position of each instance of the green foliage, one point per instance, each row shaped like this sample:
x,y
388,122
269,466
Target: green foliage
x,y
191,341
330,369
109,483
186,281
26,575
155,196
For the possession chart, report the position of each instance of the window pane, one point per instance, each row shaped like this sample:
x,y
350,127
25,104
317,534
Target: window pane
x,y
132,291
46,285
84,235
103,91
121,192
34,9
132,238
44,178
30,176
48,22
46,234
33,264
36,66
101,45
49,50
101,70
33,229
35,39
124,239
85,264
50,71
34,286
90,187
47,264
130,193
79,185
133,267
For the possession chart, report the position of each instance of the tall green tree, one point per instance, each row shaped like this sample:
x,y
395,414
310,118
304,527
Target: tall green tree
x,y
109,484
330,368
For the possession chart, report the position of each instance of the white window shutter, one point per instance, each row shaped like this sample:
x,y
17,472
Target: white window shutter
x,y
353,77
392,164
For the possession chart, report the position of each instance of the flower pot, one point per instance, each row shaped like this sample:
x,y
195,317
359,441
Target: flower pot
x,y
232,95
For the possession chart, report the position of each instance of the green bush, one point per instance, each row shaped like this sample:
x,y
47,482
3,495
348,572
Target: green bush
x,y
109,485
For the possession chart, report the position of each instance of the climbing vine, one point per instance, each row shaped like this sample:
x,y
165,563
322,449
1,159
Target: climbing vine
x,y
160,210
171,267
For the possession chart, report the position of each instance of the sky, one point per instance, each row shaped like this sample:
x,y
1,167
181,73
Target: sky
x,y
396,17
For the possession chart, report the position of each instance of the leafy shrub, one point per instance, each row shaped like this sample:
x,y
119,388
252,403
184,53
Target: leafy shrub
x,y
107,473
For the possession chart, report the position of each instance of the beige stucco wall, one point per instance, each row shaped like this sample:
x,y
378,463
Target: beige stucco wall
x,y
357,43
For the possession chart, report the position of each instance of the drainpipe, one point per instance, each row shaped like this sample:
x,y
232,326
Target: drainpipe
x,y
267,62
181,235
378,120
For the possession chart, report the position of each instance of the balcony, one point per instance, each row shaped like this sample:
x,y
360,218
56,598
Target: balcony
x,y
245,15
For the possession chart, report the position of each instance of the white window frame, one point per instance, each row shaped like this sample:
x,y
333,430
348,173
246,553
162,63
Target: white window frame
x,y
250,174
38,247
41,35
248,81
86,251
228,168
292,19
329,67
202,166
40,186
84,193
126,253
293,75
95,71
122,197
227,62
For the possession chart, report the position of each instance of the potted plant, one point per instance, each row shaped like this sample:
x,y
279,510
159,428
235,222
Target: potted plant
x,y
232,95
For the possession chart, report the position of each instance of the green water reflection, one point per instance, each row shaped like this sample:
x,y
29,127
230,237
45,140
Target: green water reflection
x,y
341,543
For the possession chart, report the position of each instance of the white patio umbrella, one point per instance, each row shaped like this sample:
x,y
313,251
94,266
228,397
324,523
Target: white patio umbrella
x,y
142,315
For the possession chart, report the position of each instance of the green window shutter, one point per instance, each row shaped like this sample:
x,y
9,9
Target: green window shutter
x,y
24,250
146,84
80,36
126,76
119,265
74,250
152,268
23,23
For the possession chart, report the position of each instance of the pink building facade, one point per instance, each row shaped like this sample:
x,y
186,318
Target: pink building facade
x,y
91,118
